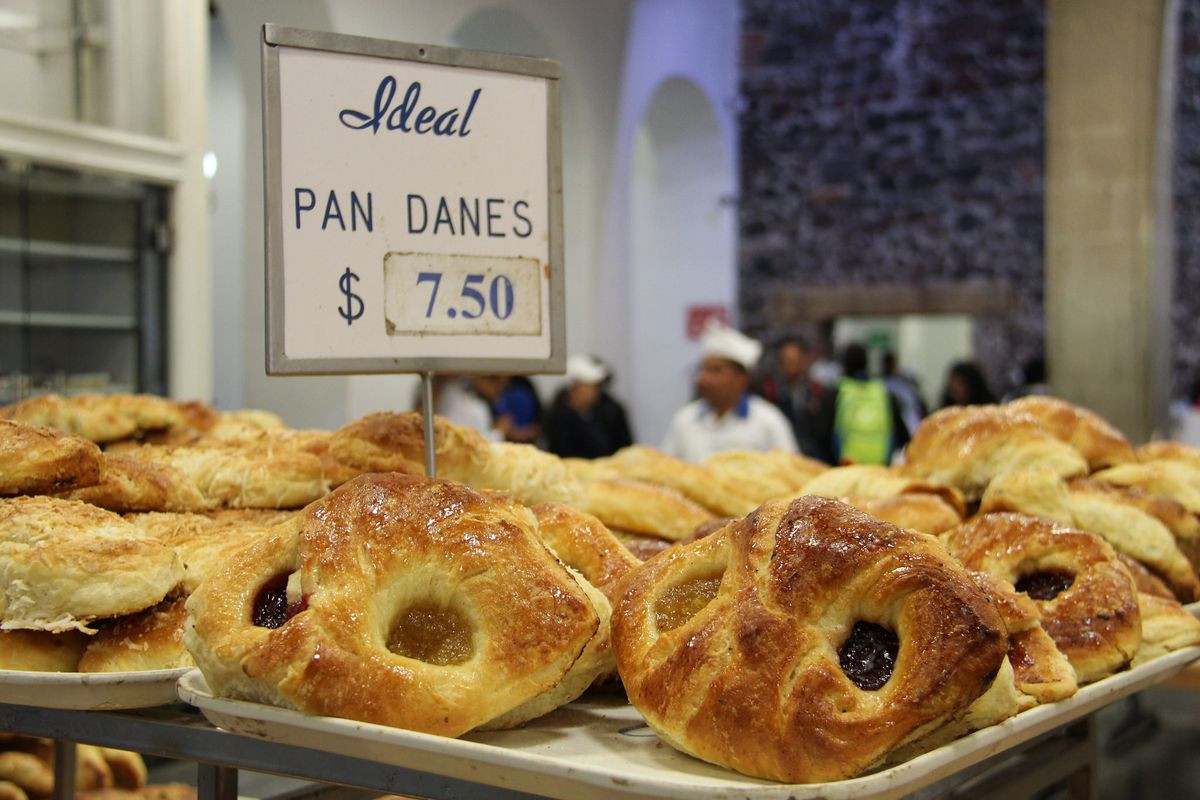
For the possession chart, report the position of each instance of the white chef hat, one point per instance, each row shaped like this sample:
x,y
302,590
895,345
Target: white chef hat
x,y
722,341
584,369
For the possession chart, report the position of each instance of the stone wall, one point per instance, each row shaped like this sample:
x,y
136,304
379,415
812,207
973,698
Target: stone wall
x,y
1186,306
901,141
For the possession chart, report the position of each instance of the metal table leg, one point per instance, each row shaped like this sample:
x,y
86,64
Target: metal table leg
x,y
64,770
216,782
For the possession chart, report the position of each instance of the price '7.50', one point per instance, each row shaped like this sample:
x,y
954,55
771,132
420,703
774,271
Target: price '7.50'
x,y
474,303
436,294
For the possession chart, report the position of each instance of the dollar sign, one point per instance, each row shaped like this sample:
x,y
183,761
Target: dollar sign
x,y
349,313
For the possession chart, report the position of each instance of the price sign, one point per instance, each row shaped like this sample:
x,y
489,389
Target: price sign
x,y
414,217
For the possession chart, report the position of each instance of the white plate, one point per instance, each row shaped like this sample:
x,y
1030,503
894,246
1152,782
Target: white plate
x,y
89,691
1193,608
599,748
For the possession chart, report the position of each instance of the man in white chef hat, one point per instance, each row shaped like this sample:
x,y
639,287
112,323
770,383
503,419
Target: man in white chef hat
x,y
726,416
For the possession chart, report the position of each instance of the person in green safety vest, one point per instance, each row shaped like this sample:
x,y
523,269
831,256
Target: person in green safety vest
x,y
867,427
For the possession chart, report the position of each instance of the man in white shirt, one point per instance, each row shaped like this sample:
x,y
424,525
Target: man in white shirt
x,y
727,416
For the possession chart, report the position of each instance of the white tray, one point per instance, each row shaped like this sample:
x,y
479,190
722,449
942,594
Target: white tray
x,y
600,748
89,691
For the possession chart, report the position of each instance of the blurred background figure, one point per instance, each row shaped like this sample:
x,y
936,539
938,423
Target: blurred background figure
x,y
966,386
1033,380
726,416
824,370
454,400
798,396
610,413
866,426
903,386
515,407
576,424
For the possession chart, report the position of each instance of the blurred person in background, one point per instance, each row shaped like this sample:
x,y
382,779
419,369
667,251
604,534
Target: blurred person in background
x,y
454,400
864,420
575,427
966,386
797,395
726,416
610,413
515,407
904,388
1033,380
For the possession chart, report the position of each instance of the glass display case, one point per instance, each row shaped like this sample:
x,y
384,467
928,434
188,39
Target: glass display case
x,y
82,283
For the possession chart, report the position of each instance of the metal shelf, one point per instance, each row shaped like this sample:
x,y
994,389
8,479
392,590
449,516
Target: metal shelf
x,y
58,319
80,252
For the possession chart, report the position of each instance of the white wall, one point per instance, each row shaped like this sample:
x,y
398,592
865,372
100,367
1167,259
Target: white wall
x,y
615,55
681,246
694,42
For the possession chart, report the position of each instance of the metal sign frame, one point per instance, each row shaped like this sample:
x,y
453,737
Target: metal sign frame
x,y
278,363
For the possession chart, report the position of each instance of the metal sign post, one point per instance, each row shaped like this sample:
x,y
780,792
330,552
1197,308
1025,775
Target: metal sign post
x,y
414,209
427,414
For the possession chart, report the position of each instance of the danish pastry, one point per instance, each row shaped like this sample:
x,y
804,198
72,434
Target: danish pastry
x,y
37,460
399,600
1040,671
927,513
1169,451
387,442
585,545
1178,480
1089,433
151,639
1166,626
1041,493
834,637
879,483
769,475
1087,599
64,564
721,495
968,446
98,417
41,651
1182,524
205,541
10,791
200,478
641,507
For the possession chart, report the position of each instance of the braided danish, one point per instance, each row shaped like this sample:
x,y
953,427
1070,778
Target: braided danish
x,y
804,642
1088,432
1087,599
37,460
404,601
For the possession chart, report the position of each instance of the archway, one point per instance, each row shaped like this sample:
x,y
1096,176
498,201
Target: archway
x,y
682,241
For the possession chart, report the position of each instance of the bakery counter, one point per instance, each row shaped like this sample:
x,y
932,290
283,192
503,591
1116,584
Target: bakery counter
x,y
597,747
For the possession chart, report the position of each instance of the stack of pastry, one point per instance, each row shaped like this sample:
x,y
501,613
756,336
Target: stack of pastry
x,y
27,771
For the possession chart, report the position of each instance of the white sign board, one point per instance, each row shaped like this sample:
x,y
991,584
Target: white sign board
x,y
414,210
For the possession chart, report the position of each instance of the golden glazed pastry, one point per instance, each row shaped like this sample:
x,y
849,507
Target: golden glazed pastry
x,y
404,601
805,642
1166,626
200,478
37,460
1086,597
1089,433
1169,451
879,483
41,651
968,446
204,541
641,507
64,564
585,545
926,513
641,546
1178,480
766,476
10,791
1041,673
151,639
98,417
719,494
1041,493
1182,524
387,442
33,775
